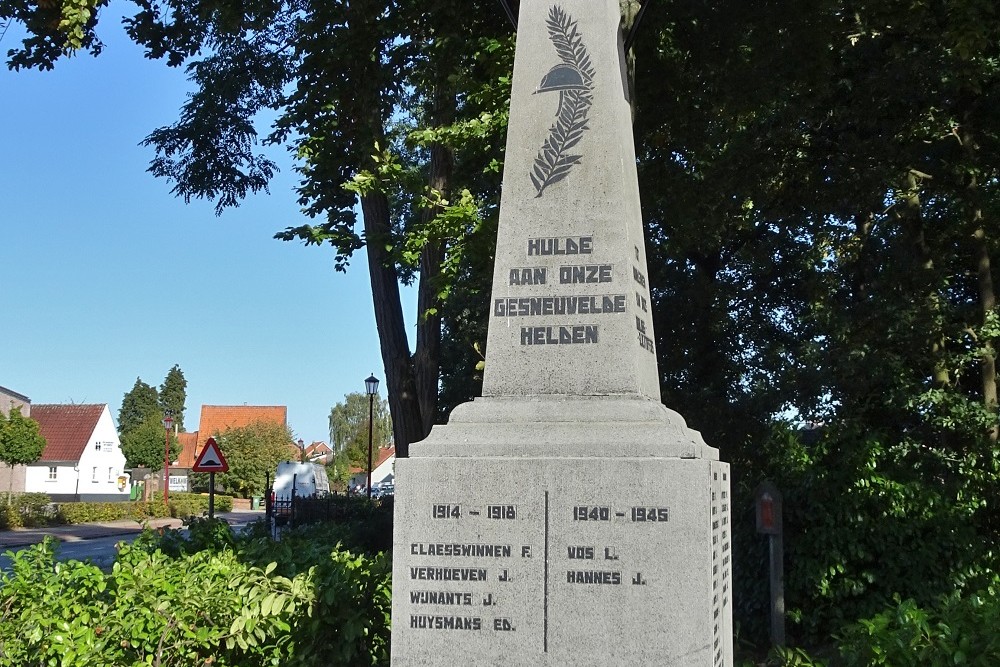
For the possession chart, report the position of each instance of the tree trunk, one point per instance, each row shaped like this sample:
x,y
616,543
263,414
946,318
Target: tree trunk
x,y
401,389
984,279
912,216
426,360
987,304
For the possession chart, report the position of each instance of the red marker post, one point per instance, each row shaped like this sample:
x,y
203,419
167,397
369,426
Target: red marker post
x,y
769,523
211,461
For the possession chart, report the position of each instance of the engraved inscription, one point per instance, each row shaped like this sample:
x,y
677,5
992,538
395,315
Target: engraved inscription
x,y
638,276
591,513
559,305
585,273
593,577
501,512
528,276
559,335
421,622
448,573
444,598
444,511
573,245
471,550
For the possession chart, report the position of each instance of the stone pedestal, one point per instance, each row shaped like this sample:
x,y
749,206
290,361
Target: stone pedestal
x,y
518,543
567,517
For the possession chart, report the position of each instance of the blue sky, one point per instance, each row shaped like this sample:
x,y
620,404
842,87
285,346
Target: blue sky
x,y
106,276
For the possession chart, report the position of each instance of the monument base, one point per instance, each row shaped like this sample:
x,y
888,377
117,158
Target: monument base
x,y
612,548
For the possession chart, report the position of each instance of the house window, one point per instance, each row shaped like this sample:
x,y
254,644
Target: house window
x,y
52,472
93,475
111,474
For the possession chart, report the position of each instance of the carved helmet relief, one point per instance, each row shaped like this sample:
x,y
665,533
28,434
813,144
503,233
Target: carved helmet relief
x,y
573,79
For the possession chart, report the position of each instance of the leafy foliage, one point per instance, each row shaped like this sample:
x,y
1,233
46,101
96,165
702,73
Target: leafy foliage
x,y
208,604
145,445
349,430
956,630
21,441
26,510
37,509
253,452
172,396
412,130
140,405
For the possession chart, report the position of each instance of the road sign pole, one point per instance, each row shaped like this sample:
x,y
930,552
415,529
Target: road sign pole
x,y
211,495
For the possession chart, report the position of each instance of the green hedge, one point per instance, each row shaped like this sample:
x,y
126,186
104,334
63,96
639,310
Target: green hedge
x,y
28,510
215,606
956,630
181,505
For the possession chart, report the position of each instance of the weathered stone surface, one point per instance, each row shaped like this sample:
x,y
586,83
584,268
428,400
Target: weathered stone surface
x,y
570,310
567,517
562,561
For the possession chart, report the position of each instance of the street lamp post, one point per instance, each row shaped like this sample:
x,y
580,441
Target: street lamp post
x,y
168,421
371,388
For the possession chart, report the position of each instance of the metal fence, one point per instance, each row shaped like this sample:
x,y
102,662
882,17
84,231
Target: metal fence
x,y
295,510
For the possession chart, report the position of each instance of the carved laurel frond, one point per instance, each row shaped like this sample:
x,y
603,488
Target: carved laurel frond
x,y
554,159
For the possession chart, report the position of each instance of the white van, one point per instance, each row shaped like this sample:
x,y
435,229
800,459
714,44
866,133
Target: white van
x,y
308,479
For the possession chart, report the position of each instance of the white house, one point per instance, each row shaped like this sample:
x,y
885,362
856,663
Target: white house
x,y
383,469
83,457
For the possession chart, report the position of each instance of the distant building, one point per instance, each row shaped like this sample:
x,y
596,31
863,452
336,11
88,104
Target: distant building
x,y
83,458
383,469
214,420
11,399
318,452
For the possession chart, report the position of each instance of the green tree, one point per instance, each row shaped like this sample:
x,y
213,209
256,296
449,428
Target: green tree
x,y
403,134
173,395
349,430
145,445
139,405
21,442
252,452
818,182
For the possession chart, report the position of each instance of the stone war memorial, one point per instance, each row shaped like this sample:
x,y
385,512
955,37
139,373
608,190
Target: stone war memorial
x,y
566,517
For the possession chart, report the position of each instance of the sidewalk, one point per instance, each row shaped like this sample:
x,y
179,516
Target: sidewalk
x,y
22,537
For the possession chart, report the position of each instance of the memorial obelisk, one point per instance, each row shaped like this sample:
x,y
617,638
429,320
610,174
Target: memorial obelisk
x,y
566,517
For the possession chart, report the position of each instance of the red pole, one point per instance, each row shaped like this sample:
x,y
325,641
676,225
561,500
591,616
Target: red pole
x,y
166,466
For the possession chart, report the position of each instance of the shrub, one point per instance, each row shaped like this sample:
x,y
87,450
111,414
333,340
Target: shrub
x,y
26,510
959,630
185,503
181,505
204,608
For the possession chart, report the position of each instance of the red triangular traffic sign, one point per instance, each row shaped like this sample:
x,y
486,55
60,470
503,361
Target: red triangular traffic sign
x,y
210,459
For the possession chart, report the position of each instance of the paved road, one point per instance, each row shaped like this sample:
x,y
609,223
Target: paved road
x,y
96,542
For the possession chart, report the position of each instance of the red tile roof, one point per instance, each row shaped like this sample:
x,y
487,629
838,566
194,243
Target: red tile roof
x,y
379,457
318,448
217,418
66,428
189,443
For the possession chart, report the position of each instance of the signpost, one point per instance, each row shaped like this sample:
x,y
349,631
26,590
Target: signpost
x,y
768,508
211,461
